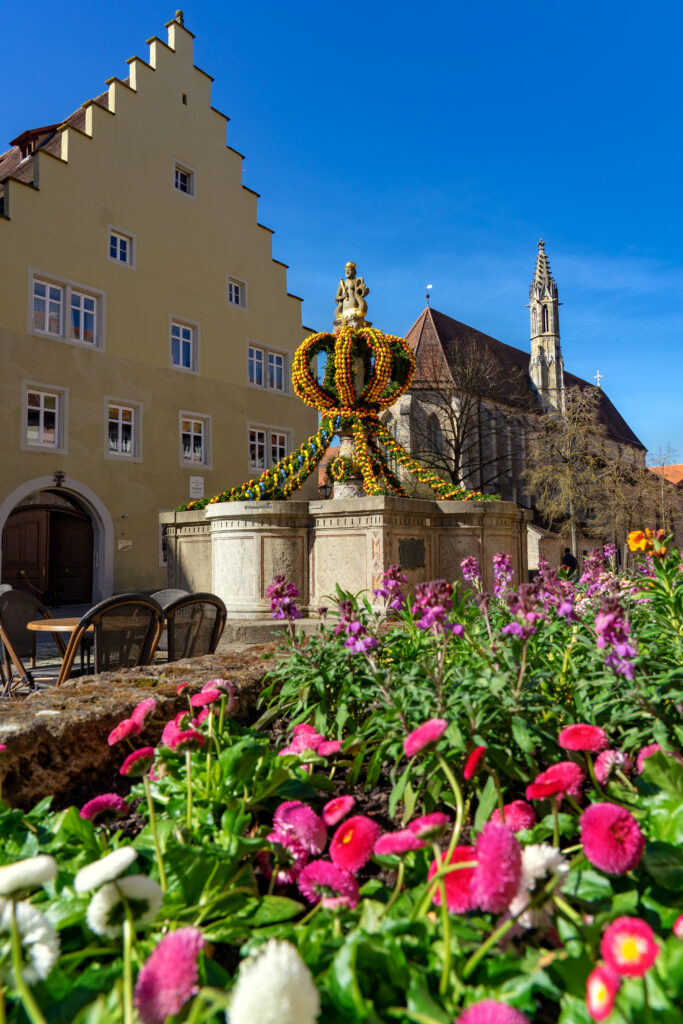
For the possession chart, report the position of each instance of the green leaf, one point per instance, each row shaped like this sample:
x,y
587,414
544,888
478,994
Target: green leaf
x,y
269,910
665,863
521,735
664,771
419,1000
487,803
399,789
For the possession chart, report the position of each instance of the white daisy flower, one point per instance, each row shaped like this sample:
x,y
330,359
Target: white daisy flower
x,y
106,911
92,876
540,861
39,941
274,987
27,874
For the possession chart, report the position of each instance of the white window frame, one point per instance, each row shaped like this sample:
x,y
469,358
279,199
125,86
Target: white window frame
x,y
180,167
136,434
252,351
268,353
188,325
242,285
268,432
68,289
62,407
132,246
207,454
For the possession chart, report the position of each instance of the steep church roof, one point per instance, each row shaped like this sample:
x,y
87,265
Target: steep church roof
x,y
436,331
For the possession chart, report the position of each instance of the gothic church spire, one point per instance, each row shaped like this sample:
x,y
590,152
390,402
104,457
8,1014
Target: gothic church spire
x,y
546,366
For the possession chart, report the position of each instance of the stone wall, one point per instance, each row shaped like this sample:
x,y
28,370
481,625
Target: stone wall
x,y
349,542
56,740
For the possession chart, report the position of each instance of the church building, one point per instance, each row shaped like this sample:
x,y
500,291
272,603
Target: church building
x,y
472,396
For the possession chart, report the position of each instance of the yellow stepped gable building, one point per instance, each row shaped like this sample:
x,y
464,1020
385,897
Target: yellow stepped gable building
x,y
146,331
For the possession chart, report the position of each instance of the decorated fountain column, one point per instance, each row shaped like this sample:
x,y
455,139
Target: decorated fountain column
x,y
350,312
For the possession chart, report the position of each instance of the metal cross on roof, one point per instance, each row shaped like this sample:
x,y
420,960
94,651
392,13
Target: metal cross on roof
x,y
598,377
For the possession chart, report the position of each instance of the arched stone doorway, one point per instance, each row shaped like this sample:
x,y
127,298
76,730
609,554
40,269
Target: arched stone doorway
x,y
57,541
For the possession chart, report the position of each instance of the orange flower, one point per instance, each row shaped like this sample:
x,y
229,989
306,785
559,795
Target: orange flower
x,y
638,541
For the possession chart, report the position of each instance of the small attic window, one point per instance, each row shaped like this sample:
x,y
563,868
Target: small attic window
x,y
185,98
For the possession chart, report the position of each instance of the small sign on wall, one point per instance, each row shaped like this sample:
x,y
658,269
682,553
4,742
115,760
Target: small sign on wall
x,y
196,487
124,544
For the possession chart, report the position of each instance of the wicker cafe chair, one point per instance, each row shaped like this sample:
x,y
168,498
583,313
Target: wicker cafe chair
x,y
194,625
126,630
18,643
168,596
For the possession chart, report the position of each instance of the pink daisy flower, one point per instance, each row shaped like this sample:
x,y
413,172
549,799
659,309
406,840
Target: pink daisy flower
x,y
201,717
304,727
518,815
473,761
563,777
584,737
609,762
107,804
398,843
430,826
329,747
426,735
169,733
3,748
300,819
602,986
138,762
611,837
628,947
289,857
188,739
678,927
330,883
227,690
140,713
169,978
125,728
306,741
458,884
490,1011
183,686
654,748
499,868
352,844
200,700
336,809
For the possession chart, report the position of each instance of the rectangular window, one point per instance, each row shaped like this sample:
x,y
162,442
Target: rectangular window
x,y
257,449
83,318
266,368
194,439
120,247
184,179
121,424
256,366
43,417
237,292
267,446
276,371
48,303
66,310
278,447
183,346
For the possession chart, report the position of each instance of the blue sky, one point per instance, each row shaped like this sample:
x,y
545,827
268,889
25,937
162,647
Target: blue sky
x,y
435,145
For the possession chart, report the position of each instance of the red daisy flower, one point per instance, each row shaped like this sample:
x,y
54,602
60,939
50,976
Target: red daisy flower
x,y
330,883
308,827
107,804
563,777
628,947
139,713
397,843
335,810
458,884
473,761
430,826
611,838
353,842
518,815
138,762
602,986
584,737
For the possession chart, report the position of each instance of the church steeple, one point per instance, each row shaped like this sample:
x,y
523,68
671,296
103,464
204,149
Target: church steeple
x,y
546,367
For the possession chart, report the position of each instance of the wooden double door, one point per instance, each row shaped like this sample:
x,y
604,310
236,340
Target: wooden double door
x,y
48,551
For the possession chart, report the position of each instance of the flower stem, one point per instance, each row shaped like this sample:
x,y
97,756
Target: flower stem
x,y
3,1016
127,970
556,821
446,925
311,913
155,837
646,1000
30,1005
499,793
188,779
591,772
459,808
208,757
397,887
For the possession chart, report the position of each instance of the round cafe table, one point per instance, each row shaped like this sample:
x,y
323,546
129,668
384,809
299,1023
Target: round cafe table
x,y
67,625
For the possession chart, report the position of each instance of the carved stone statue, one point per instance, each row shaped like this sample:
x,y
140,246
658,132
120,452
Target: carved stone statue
x,y
350,297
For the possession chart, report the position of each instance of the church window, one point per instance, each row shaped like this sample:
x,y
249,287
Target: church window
x,y
545,319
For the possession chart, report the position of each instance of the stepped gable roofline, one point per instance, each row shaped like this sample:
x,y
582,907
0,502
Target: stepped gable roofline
x,y
450,334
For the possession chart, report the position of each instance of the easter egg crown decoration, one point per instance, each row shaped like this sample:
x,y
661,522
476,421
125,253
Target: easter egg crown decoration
x,y
365,372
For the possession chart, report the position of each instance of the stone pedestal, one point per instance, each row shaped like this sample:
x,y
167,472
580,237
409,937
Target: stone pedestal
x,y
349,542
353,487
